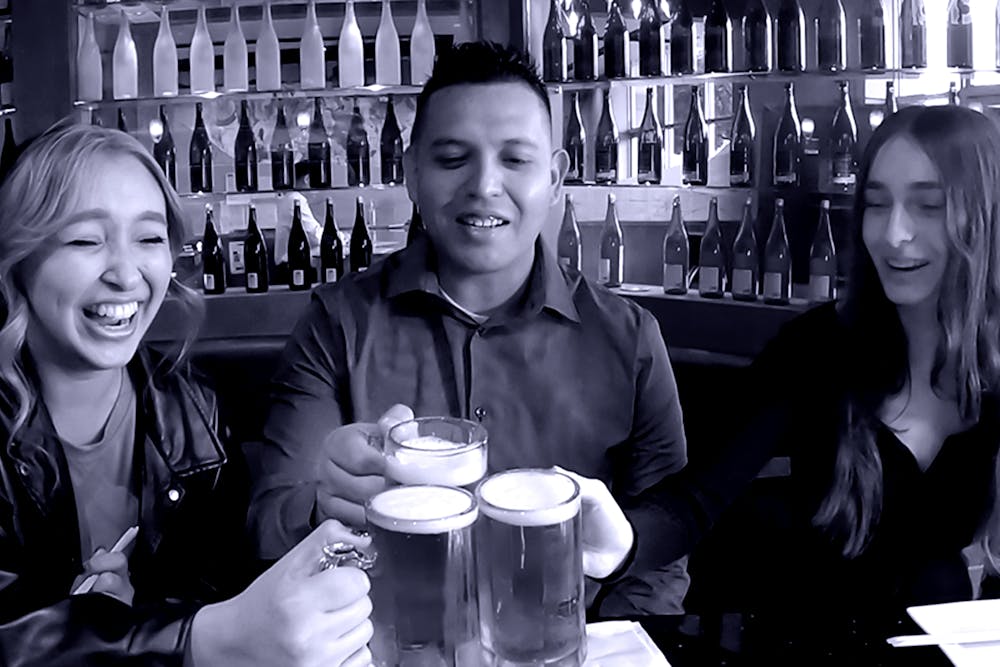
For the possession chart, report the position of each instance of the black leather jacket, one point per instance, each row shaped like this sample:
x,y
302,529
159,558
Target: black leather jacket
x,y
190,549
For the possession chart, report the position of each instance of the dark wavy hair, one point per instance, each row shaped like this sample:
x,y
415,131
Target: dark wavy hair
x,y
964,146
479,62
36,198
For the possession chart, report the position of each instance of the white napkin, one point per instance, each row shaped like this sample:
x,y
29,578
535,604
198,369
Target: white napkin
x,y
621,644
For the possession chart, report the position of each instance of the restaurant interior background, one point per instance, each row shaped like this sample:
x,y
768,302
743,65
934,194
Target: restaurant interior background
x,y
709,338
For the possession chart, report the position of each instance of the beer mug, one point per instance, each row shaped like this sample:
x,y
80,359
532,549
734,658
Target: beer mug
x,y
436,450
423,583
531,595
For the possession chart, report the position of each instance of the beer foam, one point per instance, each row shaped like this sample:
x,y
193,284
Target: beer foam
x,y
431,460
422,510
529,497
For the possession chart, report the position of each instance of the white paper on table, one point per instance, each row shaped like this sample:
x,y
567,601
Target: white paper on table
x,y
621,644
962,617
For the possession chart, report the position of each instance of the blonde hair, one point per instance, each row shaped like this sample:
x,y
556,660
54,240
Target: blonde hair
x,y
36,198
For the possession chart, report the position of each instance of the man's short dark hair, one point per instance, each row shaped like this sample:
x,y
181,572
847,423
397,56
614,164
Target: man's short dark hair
x,y
479,62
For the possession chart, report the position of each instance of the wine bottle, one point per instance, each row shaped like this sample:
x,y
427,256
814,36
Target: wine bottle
x,y
255,256
331,248
777,260
611,265
391,148
312,53
282,157
388,63
585,46
682,40
422,49
871,33
95,118
299,256
319,149
718,39
743,143
996,24
746,262
651,55
616,45
122,125
790,35
676,252
554,46
89,74
788,142
757,36
267,54
959,34
202,56
694,165
245,153
650,167
200,155
575,144
361,242
912,34
9,151
416,226
843,141
823,259
7,68
831,36
568,247
125,63
606,146
235,75
164,59
164,151
213,259
359,166
891,106
351,51
711,259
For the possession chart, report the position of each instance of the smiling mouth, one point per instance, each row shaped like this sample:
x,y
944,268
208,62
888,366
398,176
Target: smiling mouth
x,y
112,316
482,222
908,265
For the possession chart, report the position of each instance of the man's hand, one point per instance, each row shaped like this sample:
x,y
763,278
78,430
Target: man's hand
x,y
111,569
295,614
607,534
353,467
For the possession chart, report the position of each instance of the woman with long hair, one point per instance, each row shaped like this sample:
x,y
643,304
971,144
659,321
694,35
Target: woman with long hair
x,y
885,404
99,435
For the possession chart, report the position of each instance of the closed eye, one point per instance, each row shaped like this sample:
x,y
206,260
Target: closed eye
x,y
82,243
154,240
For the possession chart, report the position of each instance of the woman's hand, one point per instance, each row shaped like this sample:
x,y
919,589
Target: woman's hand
x,y
111,569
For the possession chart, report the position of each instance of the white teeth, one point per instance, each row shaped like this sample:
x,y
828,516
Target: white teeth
x,y
488,222
115,311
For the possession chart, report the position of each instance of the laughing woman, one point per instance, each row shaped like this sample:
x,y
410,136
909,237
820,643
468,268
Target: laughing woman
x,y
98,434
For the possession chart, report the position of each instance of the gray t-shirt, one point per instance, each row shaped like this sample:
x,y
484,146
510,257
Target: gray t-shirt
x,y
101,472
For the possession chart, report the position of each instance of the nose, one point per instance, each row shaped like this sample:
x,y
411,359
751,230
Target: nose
x,y
122,269
899,229
486,179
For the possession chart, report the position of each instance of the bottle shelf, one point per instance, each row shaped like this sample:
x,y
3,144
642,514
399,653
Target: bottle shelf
x,y
244,198
373,90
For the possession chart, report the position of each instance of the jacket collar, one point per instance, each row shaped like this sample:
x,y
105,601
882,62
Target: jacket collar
x,y
414,269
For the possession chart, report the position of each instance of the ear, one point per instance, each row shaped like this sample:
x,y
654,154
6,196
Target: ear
x,y
410,170
557,172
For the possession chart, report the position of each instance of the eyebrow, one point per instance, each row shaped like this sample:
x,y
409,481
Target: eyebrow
x,y
916,185
447,142
104,214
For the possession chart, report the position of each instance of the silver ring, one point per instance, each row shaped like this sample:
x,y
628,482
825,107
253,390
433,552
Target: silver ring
x,y
341,553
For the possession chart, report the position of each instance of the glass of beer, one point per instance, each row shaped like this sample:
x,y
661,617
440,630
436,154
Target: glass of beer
x,y
530,556
436,450
423,582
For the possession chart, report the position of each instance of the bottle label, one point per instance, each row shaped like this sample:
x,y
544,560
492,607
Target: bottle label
x,y
959,13
604,270
298,277
785,178
739,178
708,279
565,261
330,276
842,172
609,175
252,281
362,268
819,288
773,285
743,282
209,281
673,277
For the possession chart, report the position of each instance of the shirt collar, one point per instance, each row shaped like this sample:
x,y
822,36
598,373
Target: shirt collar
x,y
412,269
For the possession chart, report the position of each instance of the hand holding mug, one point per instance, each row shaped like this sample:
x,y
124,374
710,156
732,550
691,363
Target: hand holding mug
x,y
607,534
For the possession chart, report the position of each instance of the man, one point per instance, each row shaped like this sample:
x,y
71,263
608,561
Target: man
x,y
474,319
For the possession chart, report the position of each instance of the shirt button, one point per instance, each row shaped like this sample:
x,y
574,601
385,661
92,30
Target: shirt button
x,y
480,413
173,495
